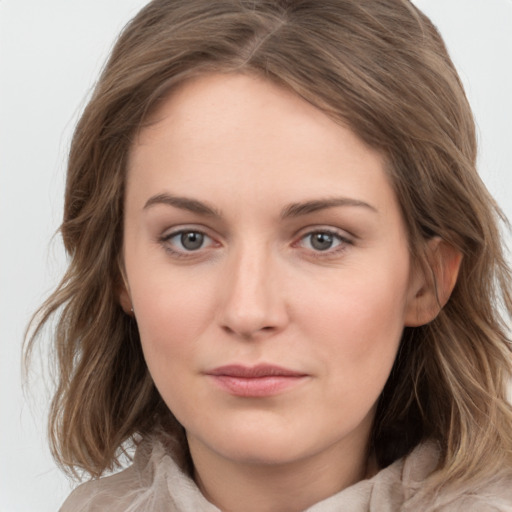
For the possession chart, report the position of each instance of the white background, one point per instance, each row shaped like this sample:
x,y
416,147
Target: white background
x,y
50,53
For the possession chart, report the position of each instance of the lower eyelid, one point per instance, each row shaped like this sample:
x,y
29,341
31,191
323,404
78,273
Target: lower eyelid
x,y
340,246
341,242
174,250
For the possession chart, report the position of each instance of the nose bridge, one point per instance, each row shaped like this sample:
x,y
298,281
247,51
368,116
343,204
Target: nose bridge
x,y
252,301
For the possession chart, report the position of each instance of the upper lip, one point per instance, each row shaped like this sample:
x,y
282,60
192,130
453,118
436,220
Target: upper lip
x,y
254,372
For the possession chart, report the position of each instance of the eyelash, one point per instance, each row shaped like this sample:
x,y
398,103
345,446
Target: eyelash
x,y
343,241
164,240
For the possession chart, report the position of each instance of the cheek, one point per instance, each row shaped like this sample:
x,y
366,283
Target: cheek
x,y
170,315
174,309
169,327
172,318
358,322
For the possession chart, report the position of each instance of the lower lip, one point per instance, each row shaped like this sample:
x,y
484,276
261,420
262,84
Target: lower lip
x,y
257,387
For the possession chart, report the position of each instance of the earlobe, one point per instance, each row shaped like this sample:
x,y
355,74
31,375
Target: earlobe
x,y
124,295
125,300
431,292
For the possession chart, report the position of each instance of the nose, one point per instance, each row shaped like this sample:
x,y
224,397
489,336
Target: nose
x,y
253,302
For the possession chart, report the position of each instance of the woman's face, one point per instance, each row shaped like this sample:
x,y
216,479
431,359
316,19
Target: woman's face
x,y
268,267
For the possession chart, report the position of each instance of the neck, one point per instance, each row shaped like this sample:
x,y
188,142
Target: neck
x,y
287,487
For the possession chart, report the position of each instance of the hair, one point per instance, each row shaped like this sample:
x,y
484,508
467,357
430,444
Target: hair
x,y
379,67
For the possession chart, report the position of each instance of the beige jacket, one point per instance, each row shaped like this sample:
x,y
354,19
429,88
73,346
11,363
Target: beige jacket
x,y
154,483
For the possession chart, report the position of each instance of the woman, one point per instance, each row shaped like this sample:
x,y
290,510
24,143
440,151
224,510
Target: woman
x,y
286,276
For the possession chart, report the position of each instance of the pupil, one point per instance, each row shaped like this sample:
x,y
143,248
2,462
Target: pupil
x,y
322,241
192,241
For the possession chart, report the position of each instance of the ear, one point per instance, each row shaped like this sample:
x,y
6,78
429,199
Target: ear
x,y
125,300
430,292
123,293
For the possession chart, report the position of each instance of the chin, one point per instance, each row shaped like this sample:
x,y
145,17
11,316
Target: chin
x,y
266,445
263,452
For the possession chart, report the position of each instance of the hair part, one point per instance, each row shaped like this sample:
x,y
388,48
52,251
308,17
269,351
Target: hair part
x,y
379,67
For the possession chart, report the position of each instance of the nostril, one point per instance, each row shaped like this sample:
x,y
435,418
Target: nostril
x,y
247,333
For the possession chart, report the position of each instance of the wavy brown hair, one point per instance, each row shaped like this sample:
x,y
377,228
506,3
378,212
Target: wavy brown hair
x,y
378,66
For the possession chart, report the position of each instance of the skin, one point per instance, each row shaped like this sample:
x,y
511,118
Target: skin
x,y
258,291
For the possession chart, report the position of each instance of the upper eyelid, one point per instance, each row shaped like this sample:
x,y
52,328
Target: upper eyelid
x,y
342,239
300,234
343,242
342,233
170,232
167,235
164,241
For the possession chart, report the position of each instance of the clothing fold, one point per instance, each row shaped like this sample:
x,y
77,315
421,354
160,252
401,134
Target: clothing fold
x,y
156,483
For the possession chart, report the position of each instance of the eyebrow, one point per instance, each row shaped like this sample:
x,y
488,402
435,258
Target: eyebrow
x,y
307,207
184,203
291,210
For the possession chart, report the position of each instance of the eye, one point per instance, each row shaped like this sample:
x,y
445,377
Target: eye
x,y
185,241
323,241
191,240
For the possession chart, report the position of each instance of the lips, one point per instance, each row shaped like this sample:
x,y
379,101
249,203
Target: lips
x,y
255,381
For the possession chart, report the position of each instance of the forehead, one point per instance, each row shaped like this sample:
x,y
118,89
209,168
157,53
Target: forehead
x,y
238,130
254,105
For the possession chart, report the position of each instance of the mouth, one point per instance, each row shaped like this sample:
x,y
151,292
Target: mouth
x,y
255,381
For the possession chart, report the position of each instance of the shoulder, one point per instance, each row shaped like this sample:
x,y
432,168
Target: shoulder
x,y
153,483
108,493
492,495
